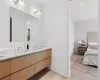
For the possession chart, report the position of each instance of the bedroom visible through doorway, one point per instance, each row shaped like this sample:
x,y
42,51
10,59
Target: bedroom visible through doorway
x,y
83,36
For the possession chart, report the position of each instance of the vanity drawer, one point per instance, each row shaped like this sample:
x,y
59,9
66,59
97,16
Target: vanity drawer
x,y
4,69
43,55
43,64
18,75
7,78
22,62
24,74
49,52
30,71
18,64
30,59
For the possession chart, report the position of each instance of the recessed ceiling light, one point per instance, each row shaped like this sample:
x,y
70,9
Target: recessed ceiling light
x,y
81,4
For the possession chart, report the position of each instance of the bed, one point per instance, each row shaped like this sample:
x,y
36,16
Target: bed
x,y
91,55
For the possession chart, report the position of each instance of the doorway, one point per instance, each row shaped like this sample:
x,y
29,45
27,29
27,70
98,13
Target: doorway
x,y
83,37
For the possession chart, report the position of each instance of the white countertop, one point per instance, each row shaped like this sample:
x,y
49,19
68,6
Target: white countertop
x,y
19,54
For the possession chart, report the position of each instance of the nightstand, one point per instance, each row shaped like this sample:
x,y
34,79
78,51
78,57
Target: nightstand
x,y
82,50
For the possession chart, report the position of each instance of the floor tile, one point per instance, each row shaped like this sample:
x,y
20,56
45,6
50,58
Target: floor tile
x,y
40,74
77,75
52,76
78,65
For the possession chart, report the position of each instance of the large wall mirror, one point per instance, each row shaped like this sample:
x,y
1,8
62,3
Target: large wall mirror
x,y
23,27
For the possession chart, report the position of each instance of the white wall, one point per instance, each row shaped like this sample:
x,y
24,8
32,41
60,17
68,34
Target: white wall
x,y
71,37
98,76
81,29
71,31
87,11
4,16
56,33
55,25
34,30
4,22
18,25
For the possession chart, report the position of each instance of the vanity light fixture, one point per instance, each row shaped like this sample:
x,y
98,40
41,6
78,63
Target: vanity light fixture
x,y
39,13
36,12
16,1
19,2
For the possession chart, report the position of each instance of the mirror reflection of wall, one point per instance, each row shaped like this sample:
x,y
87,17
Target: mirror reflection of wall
x,y
23,27
26,28
28,34
17,25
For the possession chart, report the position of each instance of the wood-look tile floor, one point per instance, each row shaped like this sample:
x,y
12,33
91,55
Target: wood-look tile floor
x,y
46,74
76,75
77,64
50,75
40,74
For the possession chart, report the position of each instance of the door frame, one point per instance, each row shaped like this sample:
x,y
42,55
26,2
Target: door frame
x,y
98,75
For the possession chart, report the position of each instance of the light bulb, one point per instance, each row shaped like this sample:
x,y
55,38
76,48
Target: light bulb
x,y
21,3
82,4
16,1
39,13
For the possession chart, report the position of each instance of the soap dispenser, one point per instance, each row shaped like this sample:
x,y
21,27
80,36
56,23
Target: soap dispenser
x,y
27,46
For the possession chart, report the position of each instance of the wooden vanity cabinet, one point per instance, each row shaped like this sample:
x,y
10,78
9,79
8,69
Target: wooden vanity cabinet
x,y
20,75
4,68
49,51
17,64
22,62
30,59
43,64
43,55
30,71
22,68
24,74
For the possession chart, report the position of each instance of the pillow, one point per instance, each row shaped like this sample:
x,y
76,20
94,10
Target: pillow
x,y
93,46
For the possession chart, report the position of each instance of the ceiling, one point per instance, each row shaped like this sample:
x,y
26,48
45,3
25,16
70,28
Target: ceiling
x,y
43,1
84,9
81,9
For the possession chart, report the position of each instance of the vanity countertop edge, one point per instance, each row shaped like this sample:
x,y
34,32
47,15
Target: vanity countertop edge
x,y
20,54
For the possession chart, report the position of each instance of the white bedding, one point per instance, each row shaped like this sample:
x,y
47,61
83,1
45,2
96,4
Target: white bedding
x,y
92,45
91,57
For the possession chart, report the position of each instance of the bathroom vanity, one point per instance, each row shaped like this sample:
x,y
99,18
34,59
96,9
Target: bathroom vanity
x,y
24,66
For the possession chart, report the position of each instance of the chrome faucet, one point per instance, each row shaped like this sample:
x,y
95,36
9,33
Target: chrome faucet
x,y
19,48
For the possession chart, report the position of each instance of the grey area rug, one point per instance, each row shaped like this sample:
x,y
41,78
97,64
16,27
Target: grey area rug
x,y
77,65
39,75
